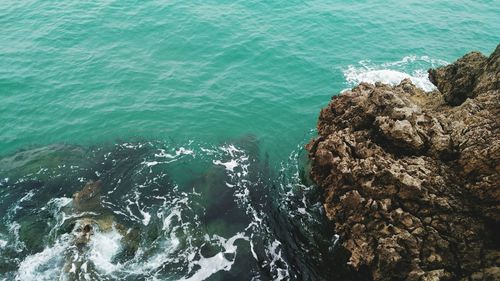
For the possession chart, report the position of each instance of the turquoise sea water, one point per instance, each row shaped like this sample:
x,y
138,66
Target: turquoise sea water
x,y
79,72
214,96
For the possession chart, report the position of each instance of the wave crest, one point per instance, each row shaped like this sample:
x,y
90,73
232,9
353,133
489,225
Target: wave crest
x,y
392,73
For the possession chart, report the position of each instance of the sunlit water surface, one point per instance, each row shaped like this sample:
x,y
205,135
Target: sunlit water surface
x,y
193,116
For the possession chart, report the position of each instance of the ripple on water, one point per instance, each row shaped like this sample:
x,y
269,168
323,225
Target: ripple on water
x,y
187,212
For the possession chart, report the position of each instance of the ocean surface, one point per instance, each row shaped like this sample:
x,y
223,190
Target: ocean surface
x,y
192,117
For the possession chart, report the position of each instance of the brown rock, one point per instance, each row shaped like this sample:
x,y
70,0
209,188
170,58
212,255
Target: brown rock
x,y
88,199
411,179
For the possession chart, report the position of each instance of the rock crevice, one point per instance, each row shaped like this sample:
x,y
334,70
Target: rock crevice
x,y
411,179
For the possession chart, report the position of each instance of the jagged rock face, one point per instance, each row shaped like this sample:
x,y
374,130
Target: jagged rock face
x,y
411,179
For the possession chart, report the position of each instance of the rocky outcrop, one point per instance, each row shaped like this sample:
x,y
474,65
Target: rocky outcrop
x,y
87,217
89,198
411,179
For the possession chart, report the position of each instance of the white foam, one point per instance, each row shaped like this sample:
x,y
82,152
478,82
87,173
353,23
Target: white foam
x,y
103,247
392,73
150,163
84,267
146,215
211,265
237,168
179,152
46,265
178,242
392,77
416,59
147,264
168,221
231,149
130,145
17,206
14,230
73,268
274,250
230,165
60,202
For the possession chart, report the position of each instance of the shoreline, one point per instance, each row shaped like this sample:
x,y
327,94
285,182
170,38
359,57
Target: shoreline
x,y
410,178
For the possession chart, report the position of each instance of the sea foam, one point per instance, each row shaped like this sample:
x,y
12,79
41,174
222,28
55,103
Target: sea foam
x,y
392,73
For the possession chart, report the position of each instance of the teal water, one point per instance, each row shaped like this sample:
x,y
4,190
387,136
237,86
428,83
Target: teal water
x,y
144,82
86,73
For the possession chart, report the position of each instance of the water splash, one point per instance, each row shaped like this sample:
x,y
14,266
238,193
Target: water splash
x,y
187,212
409,67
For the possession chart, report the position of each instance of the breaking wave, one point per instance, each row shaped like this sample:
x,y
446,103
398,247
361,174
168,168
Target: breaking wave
x,y
411,67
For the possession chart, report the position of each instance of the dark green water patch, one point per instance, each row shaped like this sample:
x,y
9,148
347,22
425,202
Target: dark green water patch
x,y
145,210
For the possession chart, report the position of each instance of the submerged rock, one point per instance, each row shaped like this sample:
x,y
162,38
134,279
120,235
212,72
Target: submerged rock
x,y
87,202
89,198
411,179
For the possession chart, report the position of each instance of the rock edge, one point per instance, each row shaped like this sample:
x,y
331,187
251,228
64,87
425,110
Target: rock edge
x,y
411,179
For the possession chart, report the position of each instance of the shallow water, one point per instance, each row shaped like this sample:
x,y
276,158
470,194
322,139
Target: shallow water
x,y
194,116
166,212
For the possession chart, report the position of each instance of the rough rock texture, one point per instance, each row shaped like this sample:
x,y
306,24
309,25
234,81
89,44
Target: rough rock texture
x,y
89,198
411,179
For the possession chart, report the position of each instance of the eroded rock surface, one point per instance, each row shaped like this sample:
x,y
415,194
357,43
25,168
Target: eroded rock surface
x,y
411,179
89,198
